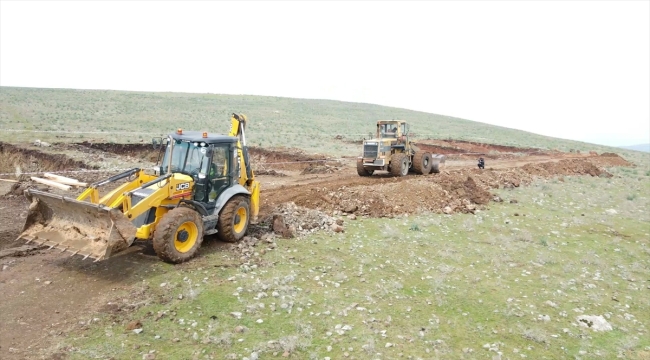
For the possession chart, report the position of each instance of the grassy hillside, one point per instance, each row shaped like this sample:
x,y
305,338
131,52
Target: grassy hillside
x,y
119,116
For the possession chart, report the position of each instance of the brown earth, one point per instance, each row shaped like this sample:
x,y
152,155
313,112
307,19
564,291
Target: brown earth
x,y
141,151
480,147
13,211
32,160
285,159
261,158
457,187
35,315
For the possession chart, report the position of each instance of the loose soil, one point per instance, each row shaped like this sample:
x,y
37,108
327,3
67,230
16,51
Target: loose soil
x,y
311,191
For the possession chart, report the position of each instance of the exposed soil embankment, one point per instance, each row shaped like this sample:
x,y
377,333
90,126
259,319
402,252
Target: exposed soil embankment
x,y
15,159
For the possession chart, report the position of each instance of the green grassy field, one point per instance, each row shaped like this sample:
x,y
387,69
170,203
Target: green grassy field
x,y
118,116
508,281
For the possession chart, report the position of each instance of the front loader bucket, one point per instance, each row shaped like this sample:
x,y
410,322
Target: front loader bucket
x,y
79,227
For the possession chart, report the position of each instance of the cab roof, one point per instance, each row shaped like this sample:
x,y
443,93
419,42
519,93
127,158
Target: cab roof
x,y
212,138
380,122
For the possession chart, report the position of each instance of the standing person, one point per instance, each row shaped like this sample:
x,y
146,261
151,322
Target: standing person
x,y
481,163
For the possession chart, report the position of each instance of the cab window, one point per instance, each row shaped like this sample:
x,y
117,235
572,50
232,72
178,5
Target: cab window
x,y
219,166
388,130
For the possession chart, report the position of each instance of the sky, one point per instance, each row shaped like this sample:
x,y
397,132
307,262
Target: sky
x,y
574,70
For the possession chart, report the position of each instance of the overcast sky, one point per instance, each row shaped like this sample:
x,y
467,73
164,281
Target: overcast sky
x,y
576,70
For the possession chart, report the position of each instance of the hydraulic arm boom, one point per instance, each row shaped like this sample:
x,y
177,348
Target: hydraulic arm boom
x,y
247,177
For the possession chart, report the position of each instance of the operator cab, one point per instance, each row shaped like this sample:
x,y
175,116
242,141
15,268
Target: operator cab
x,y
391,129
210,159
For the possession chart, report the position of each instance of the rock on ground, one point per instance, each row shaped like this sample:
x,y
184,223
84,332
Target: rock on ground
x,y
290,220
595,322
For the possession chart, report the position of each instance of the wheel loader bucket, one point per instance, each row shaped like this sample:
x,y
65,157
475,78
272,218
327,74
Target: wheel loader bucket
x,y
79,227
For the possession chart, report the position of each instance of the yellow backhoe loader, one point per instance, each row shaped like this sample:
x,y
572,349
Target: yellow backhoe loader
x,y
203,185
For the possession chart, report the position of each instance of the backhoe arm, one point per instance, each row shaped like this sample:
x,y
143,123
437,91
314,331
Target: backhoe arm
x,y
247,177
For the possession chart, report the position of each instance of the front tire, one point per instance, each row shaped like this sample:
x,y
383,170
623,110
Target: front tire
x,y
234,219
179,235
362,171
399,164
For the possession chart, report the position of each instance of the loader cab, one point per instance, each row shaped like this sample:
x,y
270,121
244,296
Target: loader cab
x,y
210,159
393,129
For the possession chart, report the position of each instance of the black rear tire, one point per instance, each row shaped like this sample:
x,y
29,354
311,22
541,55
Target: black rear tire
x,y
422,162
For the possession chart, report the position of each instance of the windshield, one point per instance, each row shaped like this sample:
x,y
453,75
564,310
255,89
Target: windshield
x,y
388,130
186,158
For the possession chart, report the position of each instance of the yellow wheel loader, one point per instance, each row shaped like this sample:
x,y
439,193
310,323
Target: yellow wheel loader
x,y
392,150
203,185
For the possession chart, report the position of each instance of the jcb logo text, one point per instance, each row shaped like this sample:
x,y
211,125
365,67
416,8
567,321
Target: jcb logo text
x,y
183,186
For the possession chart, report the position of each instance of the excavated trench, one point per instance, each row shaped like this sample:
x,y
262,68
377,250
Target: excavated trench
x,y
14,159
264,161
139,151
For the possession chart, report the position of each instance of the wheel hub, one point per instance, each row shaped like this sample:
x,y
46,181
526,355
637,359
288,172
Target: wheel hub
x,y
237,219
182,236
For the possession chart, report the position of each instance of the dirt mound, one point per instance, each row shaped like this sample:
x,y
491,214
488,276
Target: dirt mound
x,y
611,159
30,160
313,168
450,191
467,189
391,198
511,178
300,220
269,172
565,167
